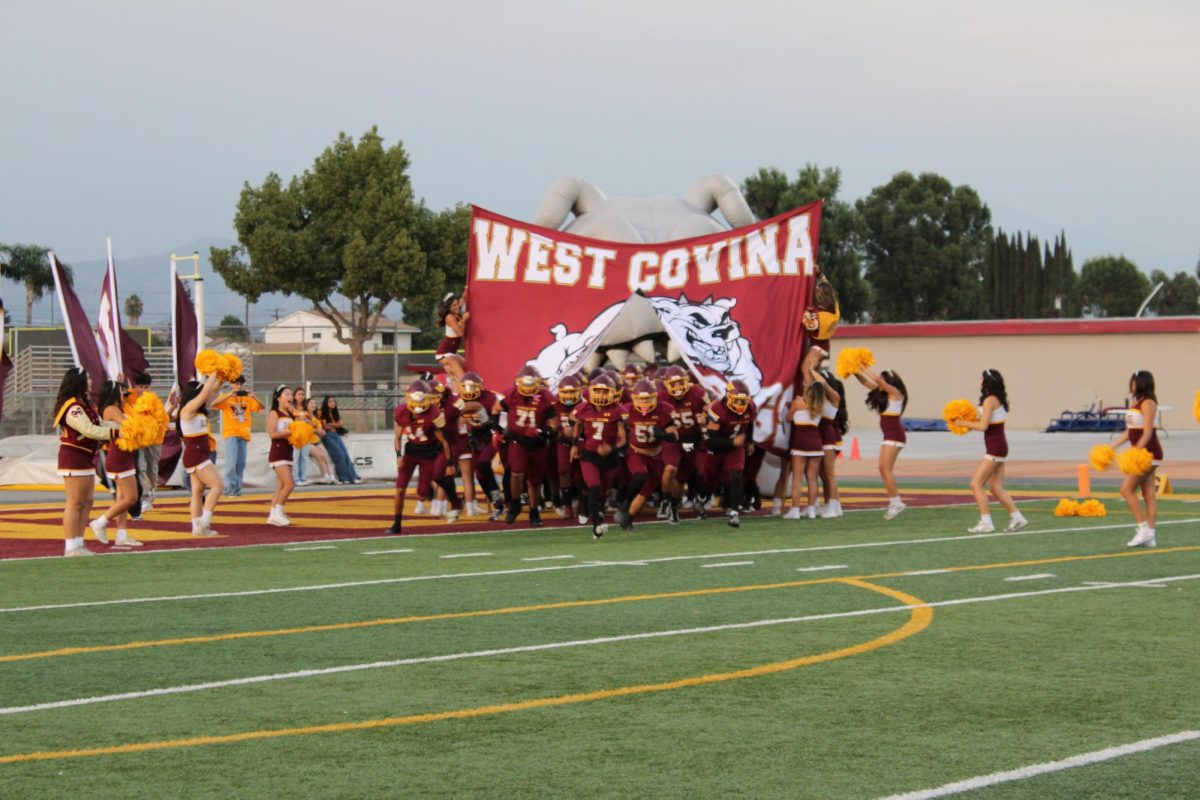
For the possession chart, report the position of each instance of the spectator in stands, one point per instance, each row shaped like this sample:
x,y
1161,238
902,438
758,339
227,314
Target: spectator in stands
x,y
147,456
335,429
236,407
319,452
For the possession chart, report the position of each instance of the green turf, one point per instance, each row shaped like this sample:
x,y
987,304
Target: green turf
x,y
987,686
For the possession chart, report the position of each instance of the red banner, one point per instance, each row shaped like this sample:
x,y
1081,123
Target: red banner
x,y
728,305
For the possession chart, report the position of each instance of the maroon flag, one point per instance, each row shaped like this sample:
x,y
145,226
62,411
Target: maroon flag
x,y
5,363
108,322
84,347
133,357
184,331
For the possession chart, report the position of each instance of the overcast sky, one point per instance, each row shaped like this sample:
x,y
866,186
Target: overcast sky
x,y
141,120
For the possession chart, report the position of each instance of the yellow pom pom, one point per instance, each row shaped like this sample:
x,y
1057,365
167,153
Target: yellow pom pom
x,y
1066,508
208,362
301,433
1135,461
229,368
1101,457
137,431
1196,407
1092,508
956,410
853,360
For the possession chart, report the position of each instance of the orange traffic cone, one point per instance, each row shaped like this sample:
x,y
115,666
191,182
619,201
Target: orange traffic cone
x,y
854,454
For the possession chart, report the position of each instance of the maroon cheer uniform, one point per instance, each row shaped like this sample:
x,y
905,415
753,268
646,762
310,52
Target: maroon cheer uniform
x,y
890,424
995,443
1135,423
76,452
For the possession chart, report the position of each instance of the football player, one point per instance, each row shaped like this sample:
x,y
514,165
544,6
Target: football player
x,y
481,429
598,441
419,425
531,424
648,424
570,394
687,405
730,423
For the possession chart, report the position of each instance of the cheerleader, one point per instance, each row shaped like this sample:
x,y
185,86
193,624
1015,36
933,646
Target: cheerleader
x,y
121,466
197,453
82,433
1140,432
821,322
833,426
806,447
888,397
993,410
280,456
453,316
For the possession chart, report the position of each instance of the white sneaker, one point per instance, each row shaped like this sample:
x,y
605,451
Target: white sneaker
x,y
78,551
894,510
793,513
98,525
420,508
452,515
830,512
776,508
810,512
584,519
437,508
473,509
128,541
302,483
1016,524
147,505
982,527
1145,537
562,511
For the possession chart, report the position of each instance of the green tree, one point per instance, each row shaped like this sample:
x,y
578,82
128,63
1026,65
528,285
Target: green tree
x,y
345,228
233,329
1112,286
443,236
769,192
134,308
925,241
1180,295
29,264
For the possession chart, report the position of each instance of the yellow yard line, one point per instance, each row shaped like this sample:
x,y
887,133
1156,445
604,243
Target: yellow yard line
x,y
919,619
604,601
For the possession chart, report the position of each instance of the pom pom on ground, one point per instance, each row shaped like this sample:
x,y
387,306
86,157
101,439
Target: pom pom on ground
x,y
959,409
1135,461
1101,457
853,360
208,362
1092,508
1066,508
229,368
301,433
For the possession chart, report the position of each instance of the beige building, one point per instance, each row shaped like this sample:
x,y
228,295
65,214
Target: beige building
x,y
1049,366
319,335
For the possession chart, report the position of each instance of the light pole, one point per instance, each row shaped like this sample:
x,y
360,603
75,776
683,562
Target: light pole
x,y
1149,297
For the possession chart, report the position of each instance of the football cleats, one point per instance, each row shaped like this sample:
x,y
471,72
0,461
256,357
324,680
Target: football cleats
x,y
602,392
528,381
645,398
676,381
737,396
471,386
420,396
570,390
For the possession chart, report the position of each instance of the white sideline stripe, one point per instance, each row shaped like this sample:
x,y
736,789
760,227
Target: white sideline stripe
x,y
827,566
306,549
1023,773
495,573
1146,585
927,572
382,552
466,555
547,558
762,623
1038,577
726,564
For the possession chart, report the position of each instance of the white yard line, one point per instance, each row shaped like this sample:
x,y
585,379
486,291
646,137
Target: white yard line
x,y
762,623
820,569
306,549
1040,576
927,572
1025,773
726,564
467,555
548,558
588,565
383,552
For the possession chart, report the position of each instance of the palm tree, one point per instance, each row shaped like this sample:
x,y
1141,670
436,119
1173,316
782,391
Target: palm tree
x,y
28,264
133,308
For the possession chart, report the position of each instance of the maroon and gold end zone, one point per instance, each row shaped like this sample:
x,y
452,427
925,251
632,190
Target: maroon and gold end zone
x,y
32,530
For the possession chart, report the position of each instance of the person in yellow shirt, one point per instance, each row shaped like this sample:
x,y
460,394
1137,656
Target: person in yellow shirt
x,y
236,407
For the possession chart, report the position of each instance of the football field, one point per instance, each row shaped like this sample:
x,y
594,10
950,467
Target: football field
x,y
847,658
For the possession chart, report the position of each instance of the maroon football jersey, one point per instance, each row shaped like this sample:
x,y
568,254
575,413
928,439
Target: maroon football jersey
x,y
452,410
420,428
731,424
641,426
563,412
528,414
597,426
687,413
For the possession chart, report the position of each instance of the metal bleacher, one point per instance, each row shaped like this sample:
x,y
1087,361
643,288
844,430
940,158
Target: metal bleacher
x,y
1092,420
